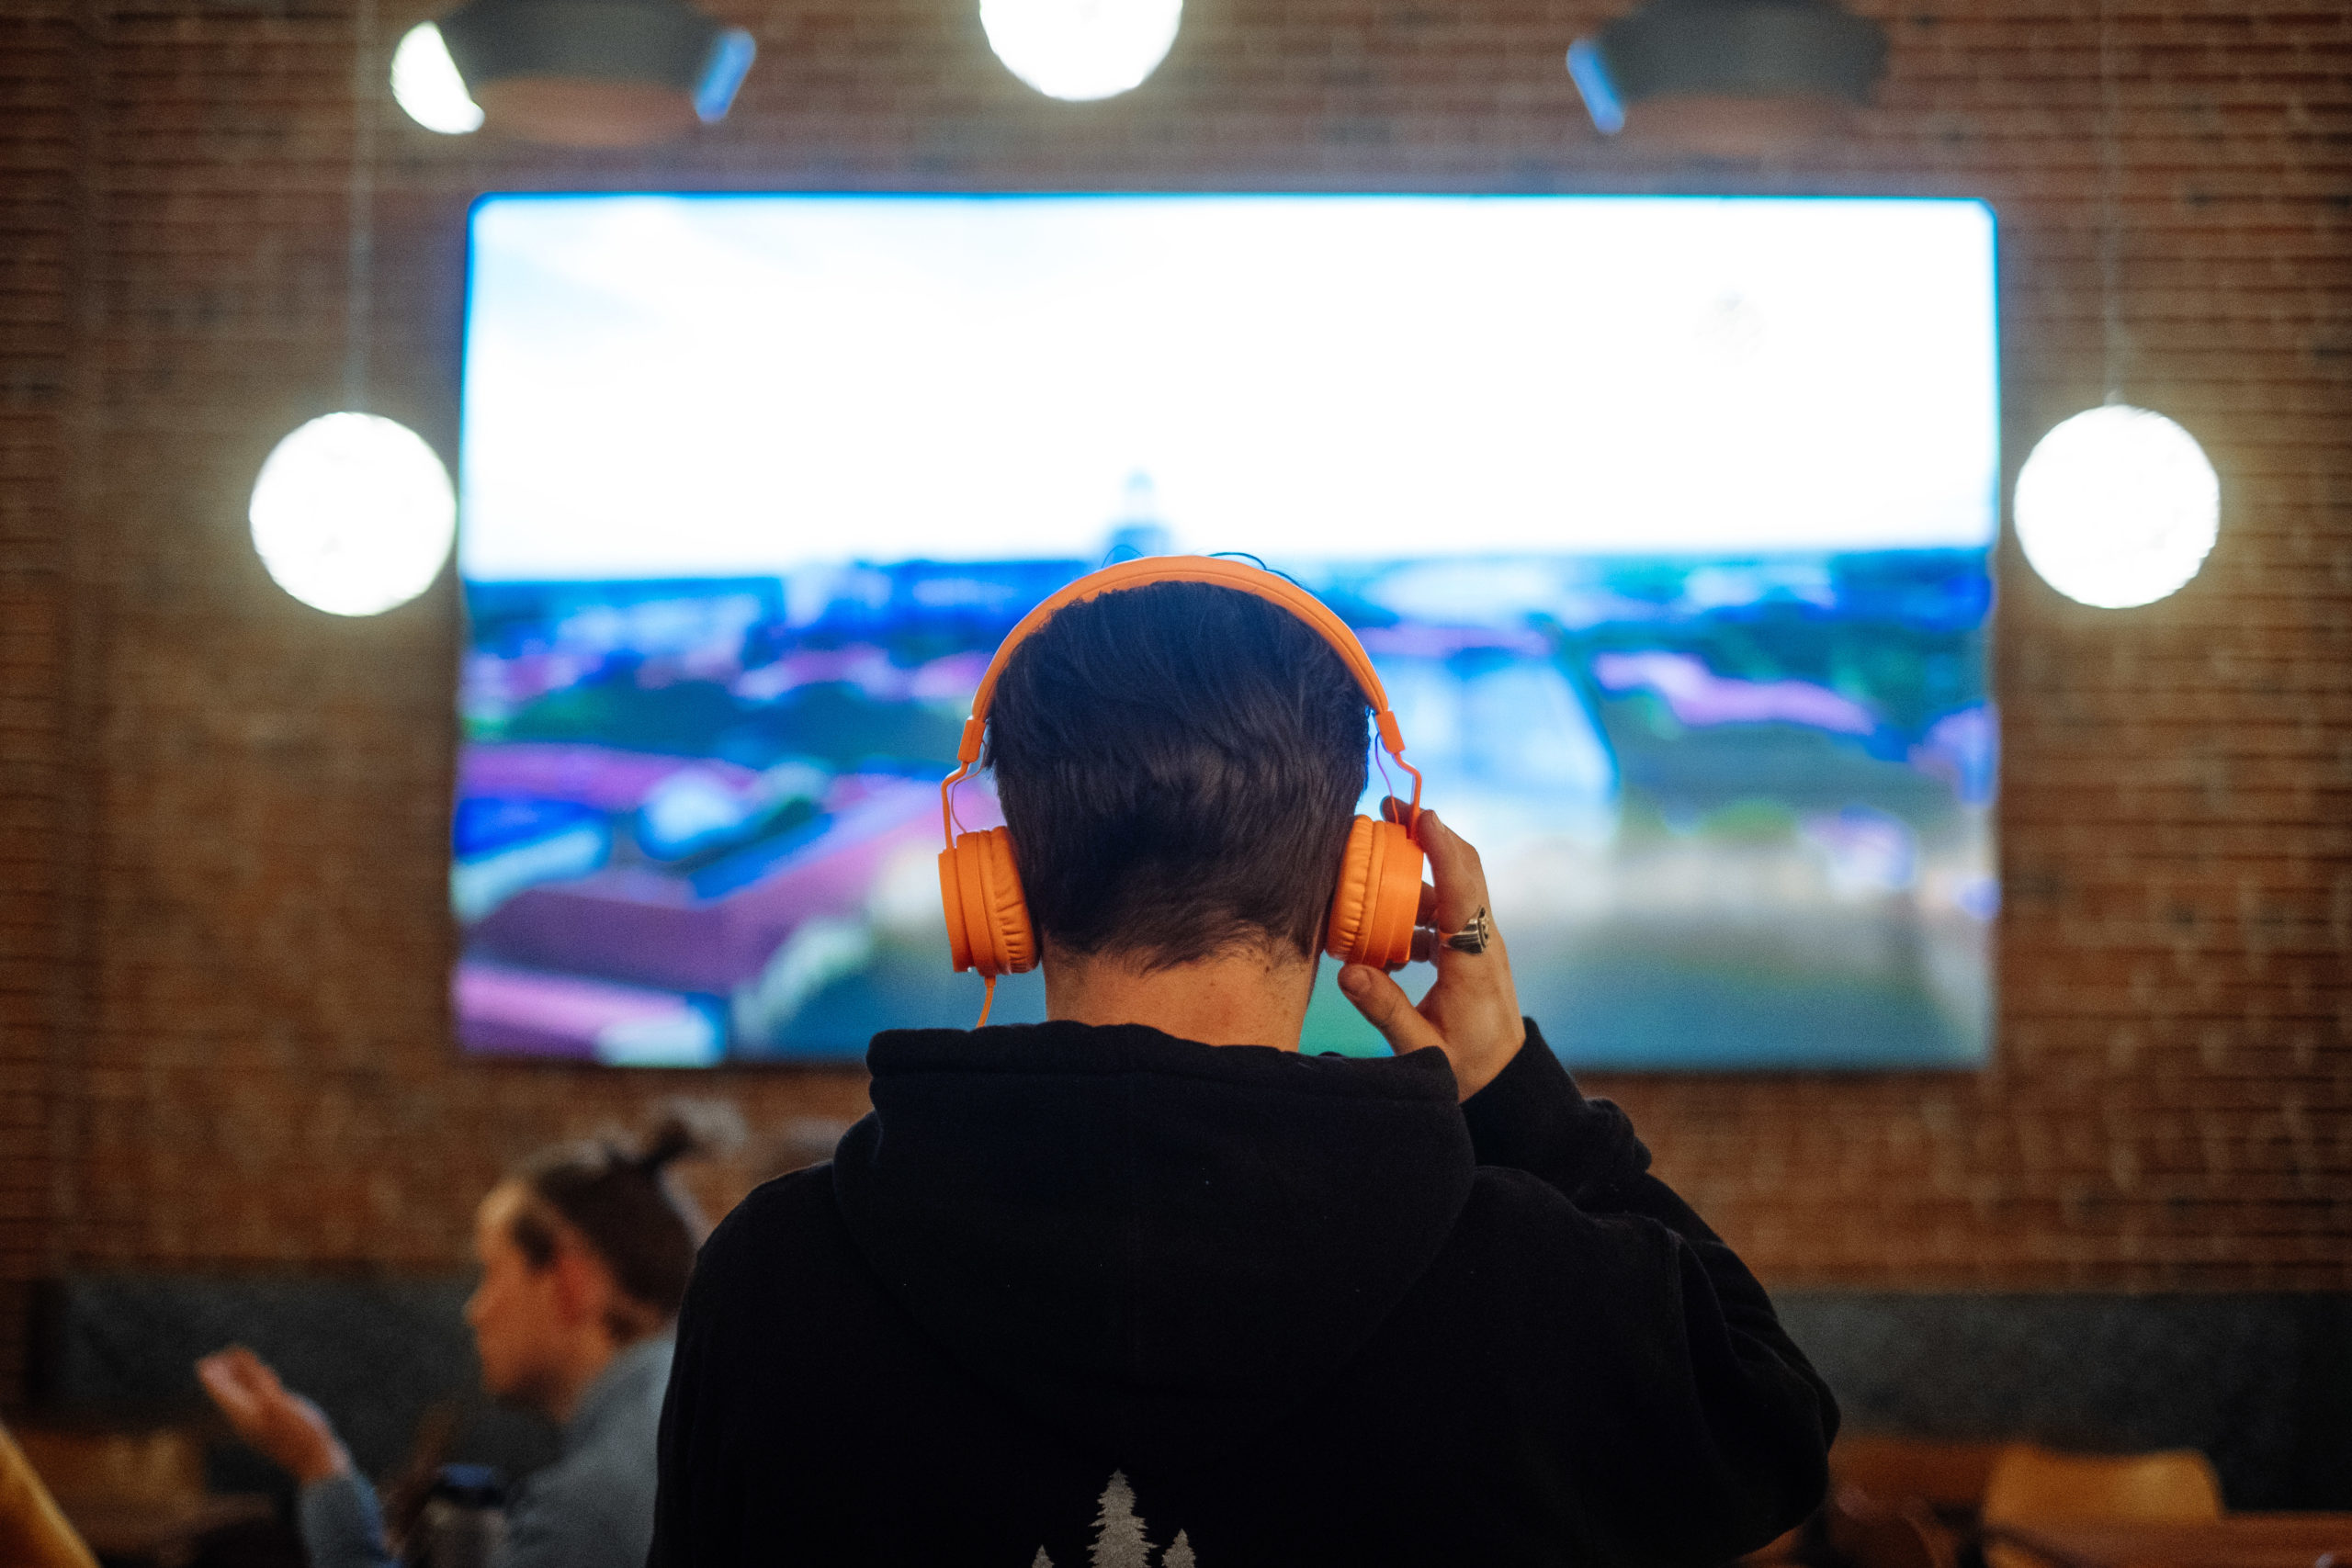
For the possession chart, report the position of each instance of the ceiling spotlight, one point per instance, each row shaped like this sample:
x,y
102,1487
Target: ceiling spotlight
x,y
1729,78
353,514
425,84
2117,507
595,72
1081,49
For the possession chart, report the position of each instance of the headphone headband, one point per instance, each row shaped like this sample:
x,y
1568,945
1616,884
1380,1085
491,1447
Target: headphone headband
x,y
1256,582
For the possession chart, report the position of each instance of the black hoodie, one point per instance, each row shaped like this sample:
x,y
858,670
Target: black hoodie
x,y
1102,1298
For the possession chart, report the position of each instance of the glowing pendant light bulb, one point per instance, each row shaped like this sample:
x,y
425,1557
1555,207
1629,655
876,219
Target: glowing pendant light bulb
x,y
353,514
2117,506
1081,49
425,84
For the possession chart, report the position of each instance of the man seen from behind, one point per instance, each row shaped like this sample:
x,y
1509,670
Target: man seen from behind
x,y
1143,1285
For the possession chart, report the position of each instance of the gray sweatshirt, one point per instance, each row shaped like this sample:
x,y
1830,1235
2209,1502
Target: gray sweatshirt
x,y
592,1508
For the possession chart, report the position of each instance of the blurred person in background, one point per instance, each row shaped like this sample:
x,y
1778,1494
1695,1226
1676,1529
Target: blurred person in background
x,y
585,1255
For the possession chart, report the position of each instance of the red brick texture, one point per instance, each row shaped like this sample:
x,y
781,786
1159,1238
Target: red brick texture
x,y
223,1040
42,62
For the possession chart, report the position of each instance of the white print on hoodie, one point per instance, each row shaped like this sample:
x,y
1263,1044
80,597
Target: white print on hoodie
x,y
1119,1539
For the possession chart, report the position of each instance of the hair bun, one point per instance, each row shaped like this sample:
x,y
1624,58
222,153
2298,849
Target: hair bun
x,y
686,1129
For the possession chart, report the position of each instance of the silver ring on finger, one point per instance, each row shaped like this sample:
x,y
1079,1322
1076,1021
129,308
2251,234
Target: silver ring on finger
x,y
1473,937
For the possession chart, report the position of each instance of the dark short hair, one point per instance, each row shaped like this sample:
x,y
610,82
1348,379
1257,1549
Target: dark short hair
x,y
1179,764
622,1204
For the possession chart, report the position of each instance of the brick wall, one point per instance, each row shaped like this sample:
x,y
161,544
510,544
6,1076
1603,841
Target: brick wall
x,y
40,62
222,1036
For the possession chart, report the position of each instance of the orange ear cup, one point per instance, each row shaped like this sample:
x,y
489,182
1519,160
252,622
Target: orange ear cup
x,y
1379,896
951,901
988,922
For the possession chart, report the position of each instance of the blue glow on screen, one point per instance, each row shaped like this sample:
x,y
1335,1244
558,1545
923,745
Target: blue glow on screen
x,y
1666,520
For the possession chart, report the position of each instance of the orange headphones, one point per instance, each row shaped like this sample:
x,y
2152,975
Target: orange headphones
x,y
1373,909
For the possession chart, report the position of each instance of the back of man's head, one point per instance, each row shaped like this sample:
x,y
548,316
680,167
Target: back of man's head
x,y
1179,764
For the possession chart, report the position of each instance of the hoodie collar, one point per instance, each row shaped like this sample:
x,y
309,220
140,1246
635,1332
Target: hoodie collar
x,y
1148,1239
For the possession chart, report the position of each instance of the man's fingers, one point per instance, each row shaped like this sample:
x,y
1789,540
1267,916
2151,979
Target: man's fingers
x,y
1386,1006
1455,866
1461,890
1433,835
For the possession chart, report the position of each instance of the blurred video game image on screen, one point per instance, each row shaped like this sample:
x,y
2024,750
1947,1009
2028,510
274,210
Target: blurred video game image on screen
x,y
1667,522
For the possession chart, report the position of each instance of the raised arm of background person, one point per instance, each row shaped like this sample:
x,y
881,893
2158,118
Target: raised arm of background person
x,y
336,1510
565,1517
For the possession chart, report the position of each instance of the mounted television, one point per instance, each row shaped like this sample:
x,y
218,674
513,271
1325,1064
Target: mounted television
x,y
1667,522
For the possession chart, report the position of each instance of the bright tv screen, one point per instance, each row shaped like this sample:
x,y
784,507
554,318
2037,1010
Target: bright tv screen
x,y
1667,522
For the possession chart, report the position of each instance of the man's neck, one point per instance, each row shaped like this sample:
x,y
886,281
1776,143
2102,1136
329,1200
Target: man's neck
x,y
1251,997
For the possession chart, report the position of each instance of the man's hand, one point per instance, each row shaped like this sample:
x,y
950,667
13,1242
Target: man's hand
x,y
1472,1013
285,1425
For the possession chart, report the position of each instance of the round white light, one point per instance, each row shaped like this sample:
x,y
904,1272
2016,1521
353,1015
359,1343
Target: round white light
x,y
1082,48
353,514
2117,506
426,82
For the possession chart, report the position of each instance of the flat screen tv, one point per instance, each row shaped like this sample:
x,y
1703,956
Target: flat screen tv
x,y
1667,522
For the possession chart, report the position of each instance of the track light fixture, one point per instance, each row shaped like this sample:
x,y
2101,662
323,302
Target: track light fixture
x,y
595,72
1734,78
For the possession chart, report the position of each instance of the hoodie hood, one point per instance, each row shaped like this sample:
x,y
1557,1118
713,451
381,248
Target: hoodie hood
x,y
1147,1241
